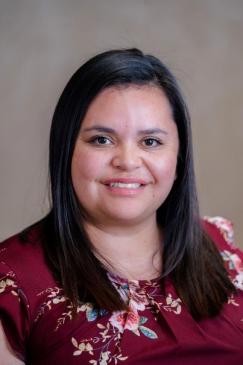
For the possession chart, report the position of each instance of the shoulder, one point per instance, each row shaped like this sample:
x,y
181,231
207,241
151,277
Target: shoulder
x,y
19,250
23,264
24,275
220,230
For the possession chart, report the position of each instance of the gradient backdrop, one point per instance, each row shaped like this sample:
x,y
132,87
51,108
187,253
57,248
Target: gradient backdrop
x,y
42,42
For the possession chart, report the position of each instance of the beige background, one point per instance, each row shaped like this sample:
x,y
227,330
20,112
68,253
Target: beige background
x,y
42,42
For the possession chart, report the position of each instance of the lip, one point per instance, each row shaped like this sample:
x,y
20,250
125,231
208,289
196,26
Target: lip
x,y
125,191
125,180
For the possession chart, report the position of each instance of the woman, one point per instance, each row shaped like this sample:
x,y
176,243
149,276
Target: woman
x,y
122,270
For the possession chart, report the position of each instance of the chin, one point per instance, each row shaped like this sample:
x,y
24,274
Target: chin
x,y
129,218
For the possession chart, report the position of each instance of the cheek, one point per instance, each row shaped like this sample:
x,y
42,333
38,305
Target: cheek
x,y
165,170
85,166
83,174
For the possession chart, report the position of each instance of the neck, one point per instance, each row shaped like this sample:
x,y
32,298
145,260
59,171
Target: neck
x,y
134,253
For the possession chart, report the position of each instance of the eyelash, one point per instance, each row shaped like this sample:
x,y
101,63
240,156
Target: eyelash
x,y
158,142
97,139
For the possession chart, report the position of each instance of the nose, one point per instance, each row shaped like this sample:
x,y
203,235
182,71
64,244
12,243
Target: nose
x,y
127,158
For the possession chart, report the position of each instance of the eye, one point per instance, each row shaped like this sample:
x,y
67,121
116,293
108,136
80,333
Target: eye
x,y
152,142
100,140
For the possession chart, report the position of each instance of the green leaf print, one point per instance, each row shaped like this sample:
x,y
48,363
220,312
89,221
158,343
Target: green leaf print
x,y
143,320
91,315
148,332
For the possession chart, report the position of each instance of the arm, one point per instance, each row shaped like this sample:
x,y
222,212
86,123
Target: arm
x,y
7,355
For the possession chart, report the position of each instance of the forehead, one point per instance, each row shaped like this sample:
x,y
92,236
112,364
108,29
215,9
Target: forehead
x,y
146,103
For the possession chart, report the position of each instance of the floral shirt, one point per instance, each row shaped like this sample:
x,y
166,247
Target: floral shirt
x,y
157,329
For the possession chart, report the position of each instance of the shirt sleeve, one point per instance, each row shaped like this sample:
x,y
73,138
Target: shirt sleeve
x,y
14,313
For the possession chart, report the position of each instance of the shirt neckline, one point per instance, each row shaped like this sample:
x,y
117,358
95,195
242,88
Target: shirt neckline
x,y
140,283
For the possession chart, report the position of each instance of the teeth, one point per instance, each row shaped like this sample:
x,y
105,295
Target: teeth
x,y
125,185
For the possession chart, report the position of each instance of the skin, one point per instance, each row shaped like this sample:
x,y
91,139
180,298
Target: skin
x,y
128,135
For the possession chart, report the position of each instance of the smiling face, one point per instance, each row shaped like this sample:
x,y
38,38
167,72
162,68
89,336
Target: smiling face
x,y
125,157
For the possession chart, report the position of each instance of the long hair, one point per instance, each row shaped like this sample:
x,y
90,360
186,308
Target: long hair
x,y
189,257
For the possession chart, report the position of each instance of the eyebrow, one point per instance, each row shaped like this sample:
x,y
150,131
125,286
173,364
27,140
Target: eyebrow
x,y
100,128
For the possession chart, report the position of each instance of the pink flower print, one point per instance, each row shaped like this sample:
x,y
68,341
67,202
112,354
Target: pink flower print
x,y
132,322
117,320
234,261
238,281
125,320
225,226
138,299
237,263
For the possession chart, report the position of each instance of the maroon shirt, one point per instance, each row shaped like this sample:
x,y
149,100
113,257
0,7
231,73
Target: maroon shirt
x,y
158,329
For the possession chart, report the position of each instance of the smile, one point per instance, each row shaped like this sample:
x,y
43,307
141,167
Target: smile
x,y
123,185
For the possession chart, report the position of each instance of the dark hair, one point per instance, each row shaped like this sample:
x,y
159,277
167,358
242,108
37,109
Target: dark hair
x,y
189,257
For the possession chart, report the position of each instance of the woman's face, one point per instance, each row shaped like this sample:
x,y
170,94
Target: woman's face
x,y
125,157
